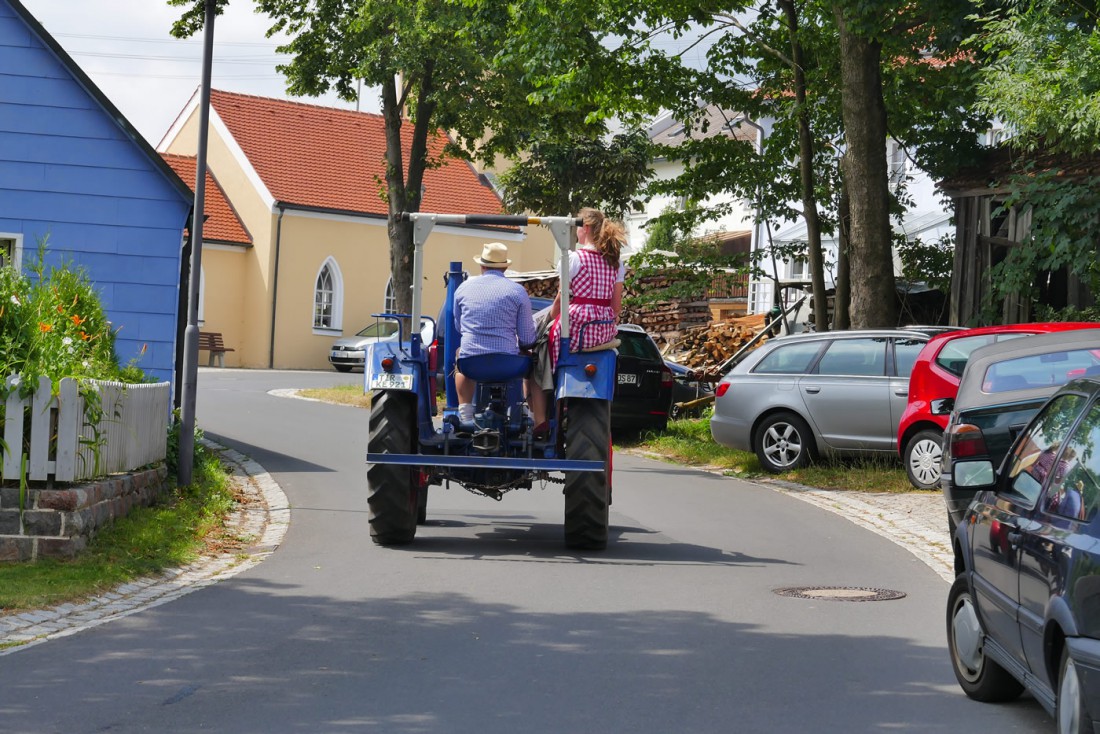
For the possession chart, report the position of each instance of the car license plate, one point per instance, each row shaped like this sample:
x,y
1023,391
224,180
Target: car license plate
x,y
626,378
336,354
389,381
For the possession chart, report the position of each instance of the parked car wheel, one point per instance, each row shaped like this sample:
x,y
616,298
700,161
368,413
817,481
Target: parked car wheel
x,y
783,442
980,678
922,459
1072,718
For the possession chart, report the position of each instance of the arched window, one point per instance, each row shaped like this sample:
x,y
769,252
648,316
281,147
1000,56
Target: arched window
x,y
390,305
328,297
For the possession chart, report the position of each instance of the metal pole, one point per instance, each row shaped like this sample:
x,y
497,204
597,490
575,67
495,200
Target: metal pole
x,y
191,334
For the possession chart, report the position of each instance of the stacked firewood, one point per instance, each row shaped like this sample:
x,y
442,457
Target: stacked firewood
x,y
544,288
667,321
706,348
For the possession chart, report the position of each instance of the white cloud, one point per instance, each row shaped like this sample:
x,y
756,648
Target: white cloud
x,y
125,46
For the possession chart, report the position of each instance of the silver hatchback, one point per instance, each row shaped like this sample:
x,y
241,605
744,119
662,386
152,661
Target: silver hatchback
x,y
799,397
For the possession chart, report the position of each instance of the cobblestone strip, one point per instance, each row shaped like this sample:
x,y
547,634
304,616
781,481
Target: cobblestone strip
x,y
264,520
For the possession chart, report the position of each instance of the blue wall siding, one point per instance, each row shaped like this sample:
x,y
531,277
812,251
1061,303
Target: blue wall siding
x,y
70,174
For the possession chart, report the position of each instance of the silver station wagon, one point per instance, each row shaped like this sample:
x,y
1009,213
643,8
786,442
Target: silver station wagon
x,y
799,397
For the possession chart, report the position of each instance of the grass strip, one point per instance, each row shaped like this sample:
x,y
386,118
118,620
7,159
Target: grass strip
x,y
148,540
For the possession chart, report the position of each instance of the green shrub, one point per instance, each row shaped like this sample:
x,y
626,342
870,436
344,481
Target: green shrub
x,y
52,324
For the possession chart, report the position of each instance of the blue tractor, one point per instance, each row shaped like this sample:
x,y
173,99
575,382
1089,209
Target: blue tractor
x,y
412,446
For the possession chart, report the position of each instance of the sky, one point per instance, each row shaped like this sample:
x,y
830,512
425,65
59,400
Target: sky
x,y
125,46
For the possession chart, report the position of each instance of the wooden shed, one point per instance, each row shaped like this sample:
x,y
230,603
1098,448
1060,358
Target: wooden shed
x,y
986,232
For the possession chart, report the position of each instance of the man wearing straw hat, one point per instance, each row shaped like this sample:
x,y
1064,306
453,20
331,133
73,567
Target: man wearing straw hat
x,y
493,316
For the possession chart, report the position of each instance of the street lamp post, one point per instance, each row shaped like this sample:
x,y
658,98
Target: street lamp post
x,y
191,334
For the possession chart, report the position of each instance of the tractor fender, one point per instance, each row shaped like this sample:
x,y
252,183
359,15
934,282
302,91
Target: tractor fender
x,y
573,380
406,372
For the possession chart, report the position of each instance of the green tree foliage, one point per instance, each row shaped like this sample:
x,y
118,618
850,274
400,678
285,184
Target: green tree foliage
x,y
926,85
1062,235
440,65
561,176
1044,76
1042,80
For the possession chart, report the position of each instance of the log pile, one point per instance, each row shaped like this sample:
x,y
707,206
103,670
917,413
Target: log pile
x,y
681,326
543,288
668,321
705,348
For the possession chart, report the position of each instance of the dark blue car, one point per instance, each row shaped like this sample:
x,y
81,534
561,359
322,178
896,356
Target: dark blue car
x,y
1024,610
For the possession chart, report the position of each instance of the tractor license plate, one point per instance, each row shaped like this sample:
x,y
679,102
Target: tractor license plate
x,y
389,381
626,378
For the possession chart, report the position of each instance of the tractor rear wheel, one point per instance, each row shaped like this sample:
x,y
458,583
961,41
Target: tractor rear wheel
x,y
587,493
392,490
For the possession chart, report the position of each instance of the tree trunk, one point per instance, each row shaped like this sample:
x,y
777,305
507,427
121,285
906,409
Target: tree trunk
x,y
806,171
842,299
865,178
403,185
400,233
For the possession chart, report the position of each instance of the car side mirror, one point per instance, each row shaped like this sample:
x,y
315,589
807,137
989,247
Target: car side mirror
x,y
973,474
942,406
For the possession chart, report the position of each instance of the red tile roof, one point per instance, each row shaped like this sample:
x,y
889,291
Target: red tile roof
x,y
330,158
222,223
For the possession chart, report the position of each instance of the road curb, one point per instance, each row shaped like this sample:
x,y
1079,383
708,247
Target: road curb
x,y
266,521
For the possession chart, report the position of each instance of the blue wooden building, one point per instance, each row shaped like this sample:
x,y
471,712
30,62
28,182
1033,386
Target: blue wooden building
x,y
75,171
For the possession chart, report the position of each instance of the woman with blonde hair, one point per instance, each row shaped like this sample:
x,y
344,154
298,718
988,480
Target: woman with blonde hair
x,y
596,277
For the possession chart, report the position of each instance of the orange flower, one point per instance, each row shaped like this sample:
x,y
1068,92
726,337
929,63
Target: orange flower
x,y
43,326
144,347
84,336
77,321
60,309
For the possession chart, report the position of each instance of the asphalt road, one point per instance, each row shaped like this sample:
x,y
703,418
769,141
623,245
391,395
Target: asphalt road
x,y
488,624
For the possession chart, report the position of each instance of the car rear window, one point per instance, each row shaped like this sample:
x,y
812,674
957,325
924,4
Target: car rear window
x,y
854,357
379,328
638,345
954,355
789,359
1050,369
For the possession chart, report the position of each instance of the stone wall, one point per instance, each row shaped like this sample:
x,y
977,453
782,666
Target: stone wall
x,y
60,522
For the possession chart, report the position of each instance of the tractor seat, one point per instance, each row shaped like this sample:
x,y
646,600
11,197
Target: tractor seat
x,y
495,367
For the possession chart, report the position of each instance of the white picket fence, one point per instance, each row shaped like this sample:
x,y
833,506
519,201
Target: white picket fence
x,y
132,431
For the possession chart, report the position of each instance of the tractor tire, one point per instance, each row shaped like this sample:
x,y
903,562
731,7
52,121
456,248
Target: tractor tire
x,y
587,493
392,494
422,505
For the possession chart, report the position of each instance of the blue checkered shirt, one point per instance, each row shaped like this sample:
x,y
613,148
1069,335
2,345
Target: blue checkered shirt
x,y
490,313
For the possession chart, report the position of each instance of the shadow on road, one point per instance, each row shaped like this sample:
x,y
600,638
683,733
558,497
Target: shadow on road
x,y
440,663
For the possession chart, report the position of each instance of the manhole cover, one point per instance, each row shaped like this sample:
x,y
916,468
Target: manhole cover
x,y
841,593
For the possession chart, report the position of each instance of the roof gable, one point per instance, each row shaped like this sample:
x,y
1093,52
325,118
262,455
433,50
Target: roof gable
x,y
332,159
222,223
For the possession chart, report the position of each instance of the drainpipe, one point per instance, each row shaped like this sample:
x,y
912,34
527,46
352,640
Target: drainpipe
x,y
754,237
275,286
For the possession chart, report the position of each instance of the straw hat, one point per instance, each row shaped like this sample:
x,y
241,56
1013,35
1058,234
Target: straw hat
x,y
494,255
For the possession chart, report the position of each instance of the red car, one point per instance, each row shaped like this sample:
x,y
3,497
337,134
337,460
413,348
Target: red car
x,y
933,385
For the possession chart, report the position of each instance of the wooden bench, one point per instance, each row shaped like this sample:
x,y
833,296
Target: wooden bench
x,y
212,342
